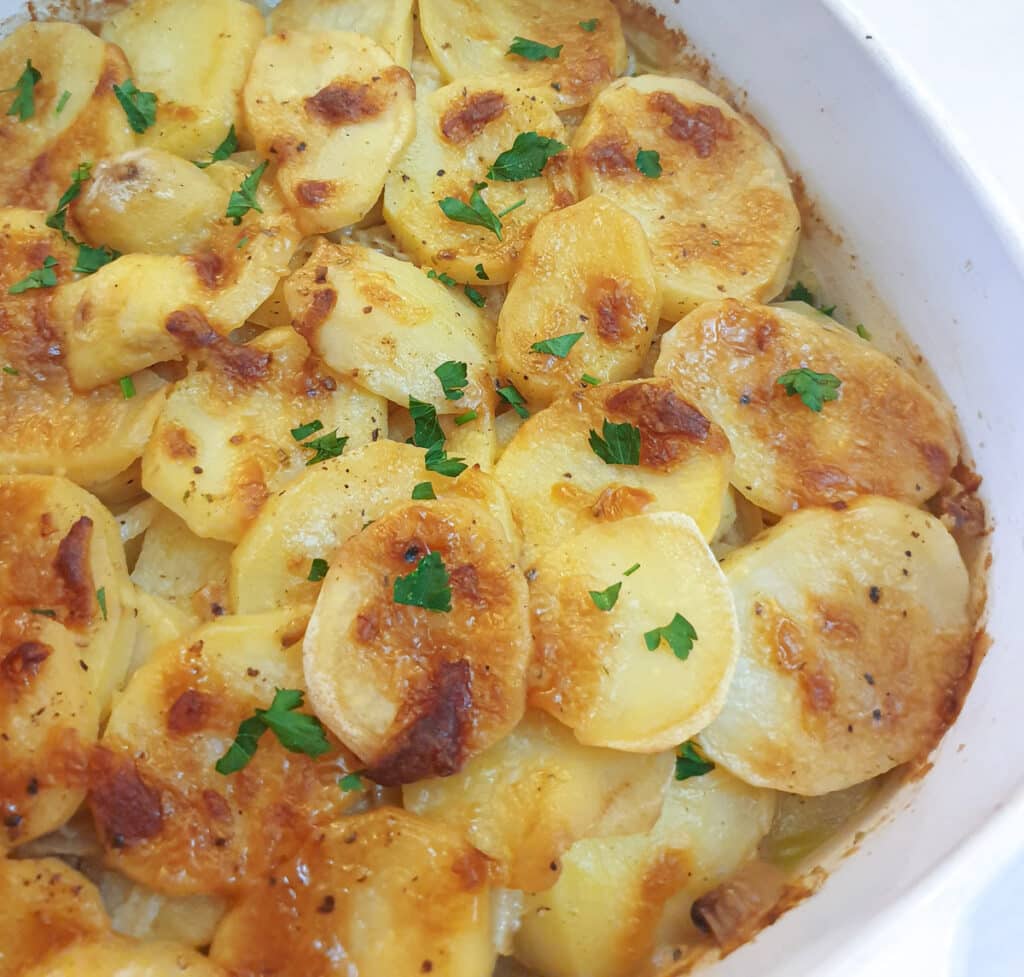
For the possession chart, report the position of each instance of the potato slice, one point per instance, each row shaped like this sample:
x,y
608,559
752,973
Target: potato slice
x,y
602,917
382,893
559,486
526,800
331,502
884,434
106,956
159,622
385,324
417,691
587,269
41,153
721,217
472,37
335,112
461,130
189,829
592,668
45,426
47,906
223,443
194,54
855,636
387,22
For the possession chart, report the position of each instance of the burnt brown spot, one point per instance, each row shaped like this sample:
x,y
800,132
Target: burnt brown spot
x,y
22,663
321,304
127,810
935,457
668,425
210,268
314,193
818,689
471,869
825,484
615,310
216,806
701,126
433,744
620,501
177,444
608,156
367,627
960,510
72,566
344,102
470,115
189,712
243,363
465,581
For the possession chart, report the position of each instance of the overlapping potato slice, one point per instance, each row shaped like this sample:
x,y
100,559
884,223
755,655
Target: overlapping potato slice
x,y
194,55
47,905
164,814
618,897
592,668
528,798
45,426
559,485
720,217
382,893
472,37
461,130
41,152
332,501
385,324
414,689
224,442
388,22
110,955
587,269
884,434
855,636
334,111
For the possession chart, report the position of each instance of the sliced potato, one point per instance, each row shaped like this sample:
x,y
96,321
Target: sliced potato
x,y
388,22
164,814
592,668
602,918
528,798
855,634
587,269
159,621
223,443
559,486
41,153
461,130
47,905
720,217
194,54
472,37
335,112
884,434
416,691
379,893
117,955
331,502
385,324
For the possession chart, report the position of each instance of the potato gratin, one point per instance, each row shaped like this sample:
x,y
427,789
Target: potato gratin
x,y
424,549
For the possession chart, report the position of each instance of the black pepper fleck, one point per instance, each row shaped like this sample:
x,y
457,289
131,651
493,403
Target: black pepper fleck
x,y
875,595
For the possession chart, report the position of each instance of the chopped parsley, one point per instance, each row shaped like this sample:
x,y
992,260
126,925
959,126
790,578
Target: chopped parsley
x,y
452,375
604,600
689,763
423,491
442,278
62,102
241,244
813,388
476,212
58,219
558,346
243,199
297,732
533,50
43,611
800,293
426,428
44,277
101,600
324,447
862,332
526,159
437,460
633,569
317,570
13,372
590,25
351,782
127,385
474,296
515,206
678,634
481,274
139,107
92,259
589,380
465,418
515,398
223,151
303,431
24,104
620,444
648,162
427,585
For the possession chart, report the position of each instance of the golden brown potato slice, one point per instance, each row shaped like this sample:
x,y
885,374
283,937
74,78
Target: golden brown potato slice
x,y
884,434
117,955
379,893
527,799
165,815
332,501
334,111
587,273
593,668
224,440
720,217
45,426
41,152
47,905
603,917
559,485
194,55
388,22
855,635
461,130
473,37
416,653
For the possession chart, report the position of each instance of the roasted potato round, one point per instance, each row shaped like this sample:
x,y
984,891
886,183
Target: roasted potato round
x,y
117,955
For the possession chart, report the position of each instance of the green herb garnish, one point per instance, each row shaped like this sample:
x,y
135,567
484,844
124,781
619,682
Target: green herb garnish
x,y
139,107
223,151
351,782
324,447
452,375
423,491
604,600
558,346
243,199
515,398
24,104
442,278
526,159
533,50
813,388
678,634
474,296
465,418
44,277
476,212
689,763
62,102
648,162
303,431
590,25
480,273
101,600
127,385
620,444
317,570
427,585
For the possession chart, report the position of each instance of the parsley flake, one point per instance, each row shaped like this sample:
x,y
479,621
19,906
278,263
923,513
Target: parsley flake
x,y
590,25
476,212
678,634
24,104
533,50
558,346
127,385
442,278
92,259
351,782
862,332
814,388
426,428
427,585
437,460
689,763
620,444
13,372
324,447
228,146
303,431
469,415
800,293
139,107
44,277
648,162
101,600
243,199
474,296
62,102
480,273
515,206
589,380
452,375
604,600
317,570
43,611
515,398
423,491
58,219
633,569
526,159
